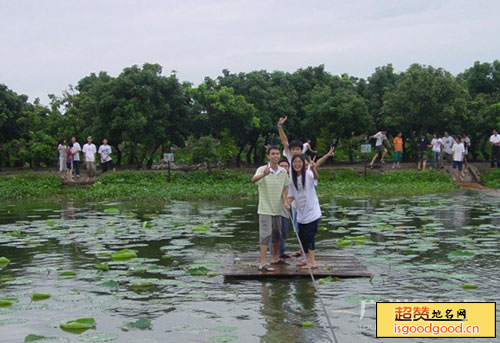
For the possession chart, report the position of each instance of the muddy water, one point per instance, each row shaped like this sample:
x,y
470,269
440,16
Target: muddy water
x,y
419,249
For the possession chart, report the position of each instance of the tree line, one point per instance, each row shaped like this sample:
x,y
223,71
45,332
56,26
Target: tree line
x,y
144,113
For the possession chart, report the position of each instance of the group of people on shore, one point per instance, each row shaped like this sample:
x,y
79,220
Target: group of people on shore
x,y
287,194
454,150
69,158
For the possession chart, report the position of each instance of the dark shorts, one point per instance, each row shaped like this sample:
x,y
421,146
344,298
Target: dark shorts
x,y
397,156
380,149
106,165
422,155
307,235
68,165
457,164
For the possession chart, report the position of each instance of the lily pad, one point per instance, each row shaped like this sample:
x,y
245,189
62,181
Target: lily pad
x,y
4,261
111,284
466,285
123,255
223,338
141,323
80,324
198,271
102,266
6,302
98,337
201,228
67,275
112,210
461,254
308,325
40,296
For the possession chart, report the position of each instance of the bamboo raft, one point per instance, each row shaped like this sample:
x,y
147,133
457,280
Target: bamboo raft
x,y
341,266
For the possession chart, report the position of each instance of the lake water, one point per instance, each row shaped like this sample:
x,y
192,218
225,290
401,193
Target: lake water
x,y
419,249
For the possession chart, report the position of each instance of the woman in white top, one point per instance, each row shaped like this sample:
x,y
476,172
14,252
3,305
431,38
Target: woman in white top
x,y
436,145
307,147
303,192
62,147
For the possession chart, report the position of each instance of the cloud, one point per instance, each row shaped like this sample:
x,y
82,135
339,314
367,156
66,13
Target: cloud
x,y
56,43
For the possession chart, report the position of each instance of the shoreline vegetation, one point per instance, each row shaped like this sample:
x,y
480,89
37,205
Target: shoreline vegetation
x,y
221,184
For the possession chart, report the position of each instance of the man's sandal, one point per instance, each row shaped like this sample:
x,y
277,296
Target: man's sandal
x,y
265,268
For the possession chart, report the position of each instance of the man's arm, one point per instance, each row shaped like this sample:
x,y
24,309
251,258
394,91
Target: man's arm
x,y
283,137
256,178
325,157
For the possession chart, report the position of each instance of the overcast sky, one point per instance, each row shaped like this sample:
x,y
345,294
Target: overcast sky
x,y
48,45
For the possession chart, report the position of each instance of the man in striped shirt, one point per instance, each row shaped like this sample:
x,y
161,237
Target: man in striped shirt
x,y
272,182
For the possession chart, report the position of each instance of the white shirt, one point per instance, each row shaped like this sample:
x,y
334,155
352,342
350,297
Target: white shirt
x,y
288,156
76,150
305,147
458,151
447,144
494,139
380,138
89,150
62,150
306,200
436,144
105,152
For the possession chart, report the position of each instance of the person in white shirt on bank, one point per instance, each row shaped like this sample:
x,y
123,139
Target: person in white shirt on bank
x,y
89,151
106,160
447,142
75,150
381,151
495,148
458,151
436,144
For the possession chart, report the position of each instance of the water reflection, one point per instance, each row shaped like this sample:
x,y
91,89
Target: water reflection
x,y
410,249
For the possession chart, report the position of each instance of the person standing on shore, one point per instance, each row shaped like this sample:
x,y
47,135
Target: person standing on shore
x,y
381,151
423,144
398,150
69,163
76,156
306,147
89,151
437,145
447,143
458,157
495,148
272,182
61,148
105,153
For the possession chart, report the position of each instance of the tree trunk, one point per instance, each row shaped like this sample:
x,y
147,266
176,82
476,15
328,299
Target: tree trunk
x,y
249,153
149,164
118,155
349,146
238,157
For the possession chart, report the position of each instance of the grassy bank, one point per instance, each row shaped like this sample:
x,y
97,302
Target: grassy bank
x,y
491,178
350,183
227,184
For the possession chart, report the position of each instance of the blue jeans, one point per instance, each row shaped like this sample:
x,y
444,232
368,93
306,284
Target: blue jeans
x,y
284,231
435,159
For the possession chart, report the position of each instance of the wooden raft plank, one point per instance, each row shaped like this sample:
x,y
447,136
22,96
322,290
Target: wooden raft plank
x,y
342,266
